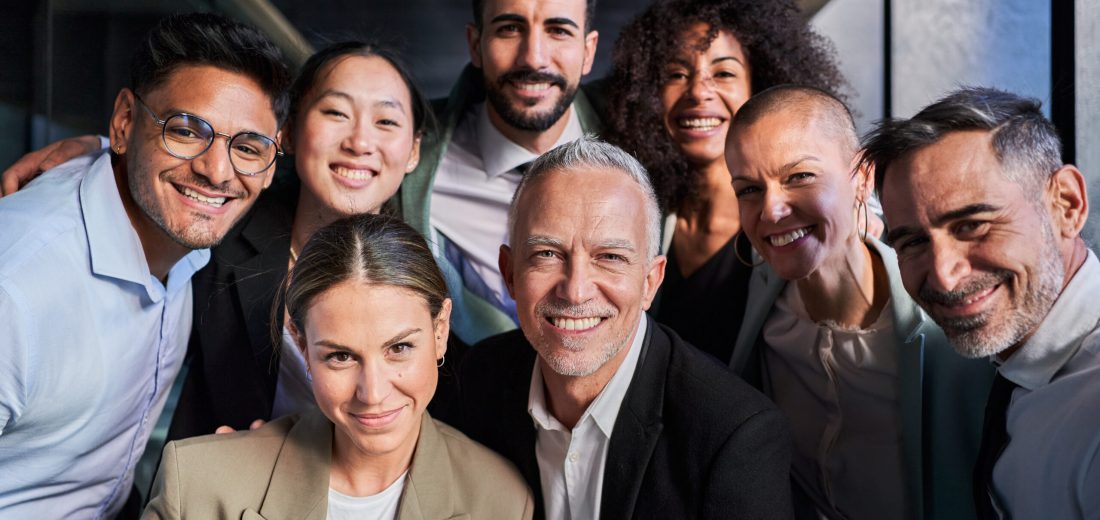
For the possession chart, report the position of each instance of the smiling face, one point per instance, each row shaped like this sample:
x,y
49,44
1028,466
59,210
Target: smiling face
x,y
578,267
532,54
192,202
795,190
701,92
371,351
354,139
974,250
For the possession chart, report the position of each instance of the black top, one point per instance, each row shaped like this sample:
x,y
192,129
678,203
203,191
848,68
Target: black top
x,y
691,440
706,308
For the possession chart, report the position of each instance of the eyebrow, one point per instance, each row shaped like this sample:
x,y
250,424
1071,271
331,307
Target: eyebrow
x,y
542,240
395,339
972,209
617,243
715,61
561,20
785,167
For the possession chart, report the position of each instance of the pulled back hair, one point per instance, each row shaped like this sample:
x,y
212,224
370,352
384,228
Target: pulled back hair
x,y
778,43
374,249
311,71
210,39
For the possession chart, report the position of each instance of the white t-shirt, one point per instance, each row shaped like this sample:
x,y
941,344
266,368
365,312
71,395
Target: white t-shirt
x,y
375,507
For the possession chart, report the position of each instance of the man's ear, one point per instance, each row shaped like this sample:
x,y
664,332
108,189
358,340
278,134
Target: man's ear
x,y
473,41
1069,201
122,121
653,279
504,263
590,41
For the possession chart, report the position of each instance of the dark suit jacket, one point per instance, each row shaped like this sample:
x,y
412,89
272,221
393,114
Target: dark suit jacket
x,y
233,364
691,441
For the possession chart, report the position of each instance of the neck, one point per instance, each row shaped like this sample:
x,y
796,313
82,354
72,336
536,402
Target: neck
x,y
161,252
358,474
567,397
706,224
850,290
535,142
309,216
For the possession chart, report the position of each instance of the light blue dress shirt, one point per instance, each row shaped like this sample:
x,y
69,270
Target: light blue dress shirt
x,y
89,346
1051,465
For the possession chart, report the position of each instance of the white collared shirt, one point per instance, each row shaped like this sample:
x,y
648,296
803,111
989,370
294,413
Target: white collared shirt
x,y
474,185
1051,465
571,463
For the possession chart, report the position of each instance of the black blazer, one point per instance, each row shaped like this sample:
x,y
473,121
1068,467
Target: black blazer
x,y
691,441
232,361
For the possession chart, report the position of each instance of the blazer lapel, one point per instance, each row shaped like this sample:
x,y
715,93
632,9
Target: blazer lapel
x,y
764,289
258,278
427,493
909,332
299,482
637,428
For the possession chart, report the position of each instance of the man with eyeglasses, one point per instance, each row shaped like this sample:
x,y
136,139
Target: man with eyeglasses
x,y
96,259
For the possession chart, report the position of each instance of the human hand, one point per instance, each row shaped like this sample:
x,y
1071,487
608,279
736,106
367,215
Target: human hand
x,y
227,429
33,164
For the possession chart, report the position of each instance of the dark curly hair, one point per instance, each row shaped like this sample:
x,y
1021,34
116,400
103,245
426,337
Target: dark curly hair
x,y
780,47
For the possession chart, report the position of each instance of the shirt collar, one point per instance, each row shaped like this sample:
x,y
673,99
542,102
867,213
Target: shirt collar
x,y
113,244
500,155
1058,338
604,410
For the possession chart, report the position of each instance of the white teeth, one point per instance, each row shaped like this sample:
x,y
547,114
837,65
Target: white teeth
x,y
575,323
533,86
194,195
787,238
701,122
357,175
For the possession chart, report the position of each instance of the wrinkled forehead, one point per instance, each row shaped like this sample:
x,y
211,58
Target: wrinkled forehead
x,y
532,10
587,204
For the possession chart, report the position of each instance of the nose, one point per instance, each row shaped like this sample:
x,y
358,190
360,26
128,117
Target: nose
x,y
775,207
577,286
214,164
360,139
374,384
949,266
702,86
533,52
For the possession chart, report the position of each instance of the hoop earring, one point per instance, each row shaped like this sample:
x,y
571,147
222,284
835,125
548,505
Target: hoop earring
x,y
442,360
866,218
737,252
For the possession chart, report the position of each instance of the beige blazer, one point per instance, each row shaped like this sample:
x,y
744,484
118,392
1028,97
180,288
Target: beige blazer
x,y
281,471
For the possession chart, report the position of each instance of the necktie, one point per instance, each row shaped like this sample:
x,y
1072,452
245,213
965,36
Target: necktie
x,y
994,439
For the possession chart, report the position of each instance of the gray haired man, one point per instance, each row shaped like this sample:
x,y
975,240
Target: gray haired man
x,y
986,221
607,413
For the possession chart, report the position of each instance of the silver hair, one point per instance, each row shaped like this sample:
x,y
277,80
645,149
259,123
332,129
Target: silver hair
x,y
1025,143
590,152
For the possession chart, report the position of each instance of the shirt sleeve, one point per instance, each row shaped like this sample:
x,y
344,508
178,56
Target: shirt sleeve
x,y
14,348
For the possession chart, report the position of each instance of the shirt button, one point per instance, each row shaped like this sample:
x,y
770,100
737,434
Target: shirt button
x,y
573,457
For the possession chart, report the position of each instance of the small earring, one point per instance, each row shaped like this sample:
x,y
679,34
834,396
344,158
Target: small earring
x,y
442,360
118,149
737,251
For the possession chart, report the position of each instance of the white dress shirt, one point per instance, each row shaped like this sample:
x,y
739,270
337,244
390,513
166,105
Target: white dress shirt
x,y
473,188
571,463
1051,465
839,387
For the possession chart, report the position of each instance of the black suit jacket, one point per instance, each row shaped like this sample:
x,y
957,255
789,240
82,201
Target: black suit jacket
x,y
691,440
233,365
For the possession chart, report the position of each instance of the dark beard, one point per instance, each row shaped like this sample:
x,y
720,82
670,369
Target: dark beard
x,y
520,119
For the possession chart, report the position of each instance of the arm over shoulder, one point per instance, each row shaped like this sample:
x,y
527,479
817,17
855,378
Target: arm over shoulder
x,y
750,473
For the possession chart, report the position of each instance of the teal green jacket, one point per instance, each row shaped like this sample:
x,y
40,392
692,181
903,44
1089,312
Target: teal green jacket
x,y
942,395
472,318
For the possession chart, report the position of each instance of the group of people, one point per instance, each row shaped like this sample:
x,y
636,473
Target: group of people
x,y
659,295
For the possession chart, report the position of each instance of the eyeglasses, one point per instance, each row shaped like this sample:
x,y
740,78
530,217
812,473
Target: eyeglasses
x,y
187,136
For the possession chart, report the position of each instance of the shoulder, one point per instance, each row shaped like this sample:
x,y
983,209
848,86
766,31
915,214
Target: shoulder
x,y
706,393
487,483
43,217
248,453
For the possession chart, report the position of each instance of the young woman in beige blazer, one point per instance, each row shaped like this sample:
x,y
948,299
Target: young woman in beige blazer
x,y
369,310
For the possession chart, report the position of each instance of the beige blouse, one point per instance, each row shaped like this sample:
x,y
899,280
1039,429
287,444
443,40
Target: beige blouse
x,y
839,387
